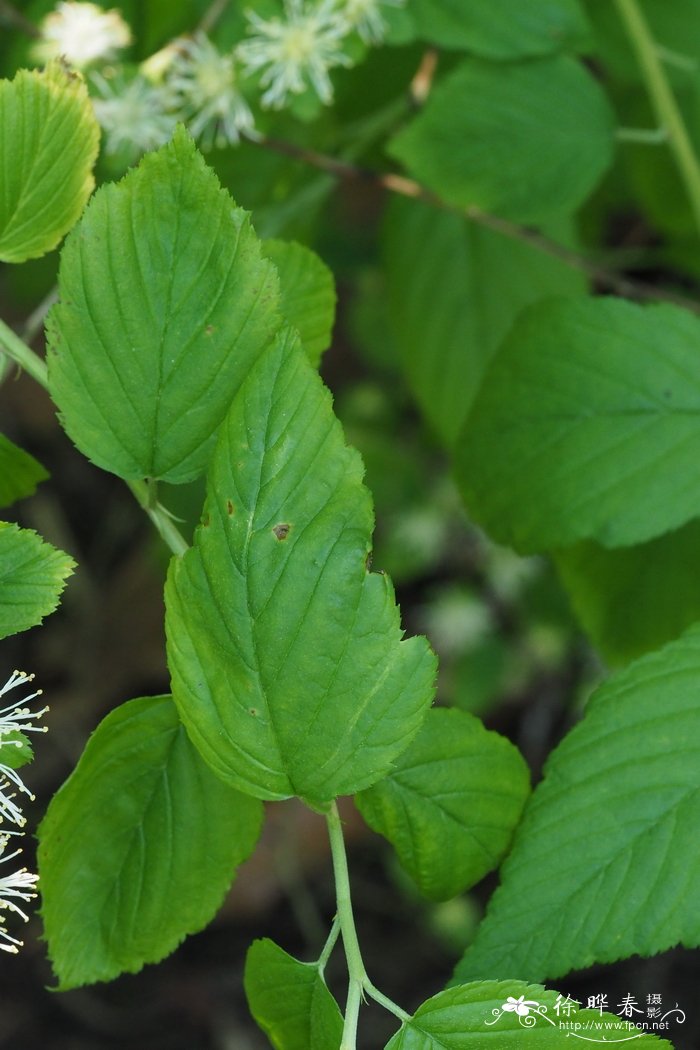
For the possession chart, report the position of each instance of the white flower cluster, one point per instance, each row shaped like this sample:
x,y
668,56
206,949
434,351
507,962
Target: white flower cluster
x,y
20,885
191,81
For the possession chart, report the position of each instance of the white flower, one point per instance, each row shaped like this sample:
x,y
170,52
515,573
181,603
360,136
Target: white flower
x,y
81,33
296,52
15,717
206,87
366,17
18,886
134,114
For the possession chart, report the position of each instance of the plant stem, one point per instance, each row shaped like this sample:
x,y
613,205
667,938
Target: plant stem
x,y
358,981
143,491
24,356
405,187
663,99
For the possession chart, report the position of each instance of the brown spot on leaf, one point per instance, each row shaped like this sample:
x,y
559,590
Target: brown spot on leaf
x,y
253,711
281,531
209,330
229,507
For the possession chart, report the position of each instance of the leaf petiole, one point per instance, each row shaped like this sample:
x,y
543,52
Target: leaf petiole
x,y
358,981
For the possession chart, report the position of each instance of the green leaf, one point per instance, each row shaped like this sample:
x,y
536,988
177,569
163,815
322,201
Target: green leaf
x,y
138,847
473,147
285,651
290,1001
166,302
501,29
307,294
20,473
32,577
451,803
624,783
635,599
475,1016
48,145
15,750
585,427
454,291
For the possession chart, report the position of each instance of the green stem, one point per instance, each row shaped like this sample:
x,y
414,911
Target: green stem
x,y
143,491
358,981
667,112
23,355
329,946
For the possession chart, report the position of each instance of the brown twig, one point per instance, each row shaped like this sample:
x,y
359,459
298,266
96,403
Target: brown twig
x,y
212,15
627,287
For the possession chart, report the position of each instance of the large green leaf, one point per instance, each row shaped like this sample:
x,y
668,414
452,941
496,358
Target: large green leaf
x,y
138,847
605,862
451,802
285,650
510,1015
290,1001
501,29
528,161
32,577
166,301
49,139
587,426
20,473
307,293
635,599
454,291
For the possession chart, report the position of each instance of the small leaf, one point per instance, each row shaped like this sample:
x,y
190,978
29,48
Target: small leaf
x,y
49,139
473,147
451,803
586,427
635,599
454,291
290,1001
20,473
626,783
32,577
15,750
505,1014
500,29
165,303
138,847
307,294
286,653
